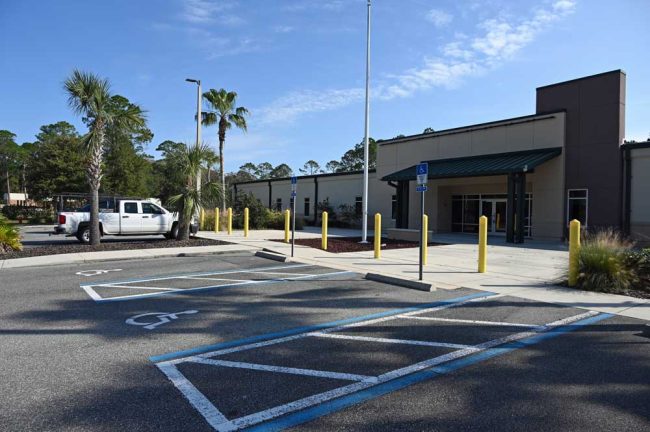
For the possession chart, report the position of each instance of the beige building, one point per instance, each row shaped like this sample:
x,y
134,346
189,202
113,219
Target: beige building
x,y
528,175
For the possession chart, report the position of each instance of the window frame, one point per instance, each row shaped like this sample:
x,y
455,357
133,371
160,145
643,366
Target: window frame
x,y
306,207
568,207
358,200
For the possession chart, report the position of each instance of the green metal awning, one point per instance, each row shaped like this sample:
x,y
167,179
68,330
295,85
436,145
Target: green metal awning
x,y
483,165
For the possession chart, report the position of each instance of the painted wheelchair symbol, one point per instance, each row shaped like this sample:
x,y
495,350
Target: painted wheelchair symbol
x,y
163,318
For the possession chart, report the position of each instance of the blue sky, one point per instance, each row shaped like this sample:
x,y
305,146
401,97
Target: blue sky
x,y
299,65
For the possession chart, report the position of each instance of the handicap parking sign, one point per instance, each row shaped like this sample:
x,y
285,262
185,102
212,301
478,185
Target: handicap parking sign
x,y
422,171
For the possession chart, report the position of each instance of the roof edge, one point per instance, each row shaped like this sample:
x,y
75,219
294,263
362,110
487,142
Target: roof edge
x,y
477,126
372,170
615,71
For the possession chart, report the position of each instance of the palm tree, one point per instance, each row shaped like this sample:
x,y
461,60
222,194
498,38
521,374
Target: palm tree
x,y
224,114
187,161
90,97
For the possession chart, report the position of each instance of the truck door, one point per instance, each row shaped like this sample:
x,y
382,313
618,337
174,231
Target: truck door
x,y
130,217
154,219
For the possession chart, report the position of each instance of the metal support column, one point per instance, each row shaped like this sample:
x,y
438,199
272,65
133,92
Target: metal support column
x,y
510,205
520,186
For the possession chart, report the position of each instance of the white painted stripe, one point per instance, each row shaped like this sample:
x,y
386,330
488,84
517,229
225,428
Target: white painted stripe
x,y
279,273
134,296
282,369
539,329
268,414
135,287
211,414
91,292
391,341
329,330
213,273
454,320
214,279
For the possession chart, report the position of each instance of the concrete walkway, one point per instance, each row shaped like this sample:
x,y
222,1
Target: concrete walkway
x,y
527,272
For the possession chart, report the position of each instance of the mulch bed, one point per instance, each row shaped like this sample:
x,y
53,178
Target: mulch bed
x,y
351,244
108,246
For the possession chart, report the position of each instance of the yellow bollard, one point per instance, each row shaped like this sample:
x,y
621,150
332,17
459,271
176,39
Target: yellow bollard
x,y
217,228
246,222
425,238
287,219
482,244
229,220
574,251
202,220
324,232
377,235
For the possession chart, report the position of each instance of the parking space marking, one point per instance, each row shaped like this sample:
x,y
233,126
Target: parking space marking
x,y
300,331
466,321
363,383
246,347
282,369
214,273
137,287
210,413
388,340
337,404
227,283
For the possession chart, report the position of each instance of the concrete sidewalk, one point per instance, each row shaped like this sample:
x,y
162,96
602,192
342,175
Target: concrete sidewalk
x,y
531,273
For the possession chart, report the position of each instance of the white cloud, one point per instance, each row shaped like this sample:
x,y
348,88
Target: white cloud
x,y
283,29
287,108
208,11
439,18
498,40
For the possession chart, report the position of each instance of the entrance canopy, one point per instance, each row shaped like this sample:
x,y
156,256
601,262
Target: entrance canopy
x,y
483,165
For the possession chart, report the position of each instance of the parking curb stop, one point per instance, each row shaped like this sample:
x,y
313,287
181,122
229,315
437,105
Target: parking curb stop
x,y
404,283
271,255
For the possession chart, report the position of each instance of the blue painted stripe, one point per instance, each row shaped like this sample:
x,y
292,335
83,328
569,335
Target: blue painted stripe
x,y
329,407
214,287
316,327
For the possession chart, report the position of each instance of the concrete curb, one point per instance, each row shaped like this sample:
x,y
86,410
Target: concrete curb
x,y
66,259
405,283
271,255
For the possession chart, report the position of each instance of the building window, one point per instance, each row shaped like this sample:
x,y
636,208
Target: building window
x,y
307,206
278,204
578,206
358,205
393,207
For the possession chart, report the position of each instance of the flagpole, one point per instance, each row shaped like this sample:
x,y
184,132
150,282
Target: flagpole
x,y
364,225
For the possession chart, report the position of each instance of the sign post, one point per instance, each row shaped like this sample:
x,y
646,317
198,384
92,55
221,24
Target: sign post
x,y
422,172
294,188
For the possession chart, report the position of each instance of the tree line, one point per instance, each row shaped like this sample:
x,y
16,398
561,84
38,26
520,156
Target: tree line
x,y
352,160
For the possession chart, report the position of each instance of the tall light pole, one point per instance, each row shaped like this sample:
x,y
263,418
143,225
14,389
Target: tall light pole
x,y
198,124
364,231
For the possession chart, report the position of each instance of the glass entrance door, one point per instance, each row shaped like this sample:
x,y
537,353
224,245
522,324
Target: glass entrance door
x,y
495,211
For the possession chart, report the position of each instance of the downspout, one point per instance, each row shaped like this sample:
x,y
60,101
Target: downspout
x,y
315,201
270,194
628,190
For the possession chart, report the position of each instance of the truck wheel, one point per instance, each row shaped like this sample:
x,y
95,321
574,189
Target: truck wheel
x,y
174,232
83,234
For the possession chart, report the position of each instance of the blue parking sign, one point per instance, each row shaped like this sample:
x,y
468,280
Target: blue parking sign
x,y
294,180
422,168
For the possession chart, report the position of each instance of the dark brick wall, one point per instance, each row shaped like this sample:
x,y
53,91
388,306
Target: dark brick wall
x,y
595,128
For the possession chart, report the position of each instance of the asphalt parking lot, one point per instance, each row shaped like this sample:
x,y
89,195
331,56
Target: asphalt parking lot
x,y
229,342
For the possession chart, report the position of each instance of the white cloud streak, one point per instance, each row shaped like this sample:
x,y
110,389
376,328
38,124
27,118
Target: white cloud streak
x,y
439,18
498,41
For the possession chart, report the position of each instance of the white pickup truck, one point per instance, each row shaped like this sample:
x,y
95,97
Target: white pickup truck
x,y
133,217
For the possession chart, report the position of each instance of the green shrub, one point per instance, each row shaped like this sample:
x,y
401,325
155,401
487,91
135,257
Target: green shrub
x,y
639,261
604,263
15,212
257,212
9,237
